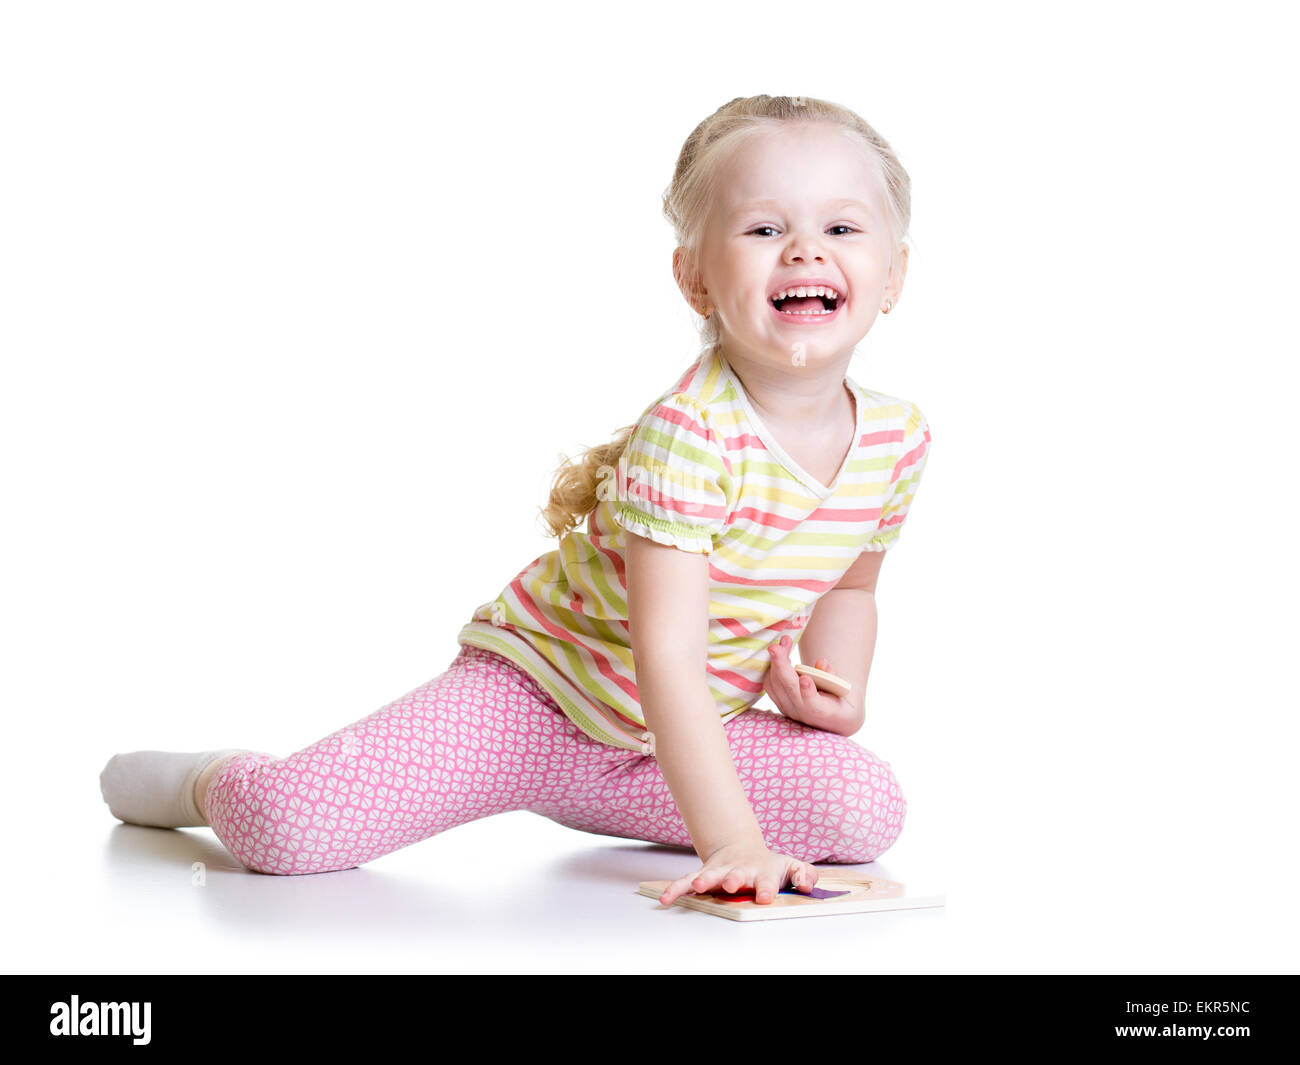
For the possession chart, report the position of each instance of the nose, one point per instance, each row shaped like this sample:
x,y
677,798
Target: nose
x,y
803,248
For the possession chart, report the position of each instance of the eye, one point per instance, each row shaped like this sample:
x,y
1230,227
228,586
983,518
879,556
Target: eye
x,y
772,229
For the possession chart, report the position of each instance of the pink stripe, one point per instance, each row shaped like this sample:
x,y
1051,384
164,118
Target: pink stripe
x,y
615,560
882,436
679,417
735,679
685,380
910,457
631,722
827,514
733,626
831,515
642,493
764,518
742,441
776,582
565,636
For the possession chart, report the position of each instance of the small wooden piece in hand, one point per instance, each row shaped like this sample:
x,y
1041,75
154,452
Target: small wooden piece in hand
x,y
827,682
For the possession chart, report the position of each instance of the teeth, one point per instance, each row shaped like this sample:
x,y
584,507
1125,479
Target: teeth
x,y
802,291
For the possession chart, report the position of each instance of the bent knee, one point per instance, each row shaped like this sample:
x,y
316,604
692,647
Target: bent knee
x,y
864,806
266,823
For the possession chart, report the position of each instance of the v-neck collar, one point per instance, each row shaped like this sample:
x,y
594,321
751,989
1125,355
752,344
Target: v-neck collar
x,y
774,446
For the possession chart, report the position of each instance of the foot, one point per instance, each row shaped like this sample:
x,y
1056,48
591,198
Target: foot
x,y
156,788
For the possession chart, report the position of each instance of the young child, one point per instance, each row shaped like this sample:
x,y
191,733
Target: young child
x,y
610,686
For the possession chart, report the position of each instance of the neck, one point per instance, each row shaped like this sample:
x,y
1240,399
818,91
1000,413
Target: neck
x,y
809,395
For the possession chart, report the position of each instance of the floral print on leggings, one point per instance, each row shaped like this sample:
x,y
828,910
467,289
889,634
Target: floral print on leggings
x,y
485,738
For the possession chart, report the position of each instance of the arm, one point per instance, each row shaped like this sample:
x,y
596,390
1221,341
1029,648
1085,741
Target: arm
x,y
841,634
668,615
841,638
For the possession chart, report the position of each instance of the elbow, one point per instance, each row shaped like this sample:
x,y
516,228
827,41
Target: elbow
x,y
853,722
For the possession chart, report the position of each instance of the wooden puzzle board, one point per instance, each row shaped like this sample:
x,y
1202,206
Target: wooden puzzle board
x,y
865,894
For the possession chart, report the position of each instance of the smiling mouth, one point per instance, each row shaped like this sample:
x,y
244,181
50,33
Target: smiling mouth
x,y
809,305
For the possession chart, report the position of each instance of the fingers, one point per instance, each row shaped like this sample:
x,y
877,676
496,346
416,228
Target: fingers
x,y
704,879
766,877
766,887
731,880
804,876
677,888
783,680
726,878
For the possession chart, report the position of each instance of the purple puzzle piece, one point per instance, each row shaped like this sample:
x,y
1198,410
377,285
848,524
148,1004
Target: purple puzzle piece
x,y
818,893
747,894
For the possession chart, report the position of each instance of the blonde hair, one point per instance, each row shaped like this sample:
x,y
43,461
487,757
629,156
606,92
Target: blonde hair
x,y
686,203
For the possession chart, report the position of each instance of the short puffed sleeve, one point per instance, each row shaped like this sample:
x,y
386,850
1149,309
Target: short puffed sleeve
x,y
914,450
674,478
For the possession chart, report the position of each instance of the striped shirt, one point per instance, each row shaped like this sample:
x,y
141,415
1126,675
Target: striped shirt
x,y
701,472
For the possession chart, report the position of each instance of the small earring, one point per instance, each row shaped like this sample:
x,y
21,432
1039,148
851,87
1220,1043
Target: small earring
x,y
888,305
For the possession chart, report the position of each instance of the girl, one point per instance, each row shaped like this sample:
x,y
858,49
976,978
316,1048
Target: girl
x,y
610,686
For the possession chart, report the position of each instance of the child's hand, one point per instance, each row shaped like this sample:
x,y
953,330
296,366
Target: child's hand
x,y
738,866
799,698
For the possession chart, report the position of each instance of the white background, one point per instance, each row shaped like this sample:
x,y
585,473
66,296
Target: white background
x,y
283,283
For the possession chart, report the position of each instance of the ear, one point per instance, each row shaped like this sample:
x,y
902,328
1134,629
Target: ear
x,y
897,272
687,277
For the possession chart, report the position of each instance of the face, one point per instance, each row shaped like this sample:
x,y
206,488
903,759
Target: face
x,y
800,203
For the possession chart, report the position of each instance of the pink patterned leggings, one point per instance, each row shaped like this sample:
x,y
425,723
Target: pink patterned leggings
x,y
484,738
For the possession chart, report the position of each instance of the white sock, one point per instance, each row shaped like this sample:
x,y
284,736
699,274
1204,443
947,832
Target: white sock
x,y
156,788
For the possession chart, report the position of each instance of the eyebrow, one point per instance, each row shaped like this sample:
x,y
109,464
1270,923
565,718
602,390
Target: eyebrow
x,y
756,204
